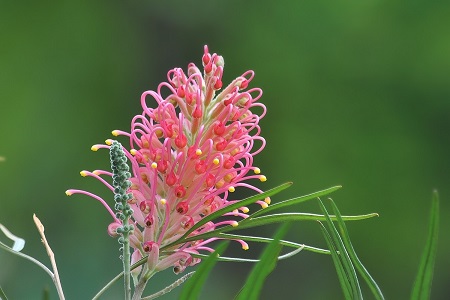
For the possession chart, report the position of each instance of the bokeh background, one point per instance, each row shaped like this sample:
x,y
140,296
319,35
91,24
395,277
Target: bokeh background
x,y
358,94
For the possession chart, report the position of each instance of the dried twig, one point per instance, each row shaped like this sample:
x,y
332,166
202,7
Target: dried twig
x,y
56,279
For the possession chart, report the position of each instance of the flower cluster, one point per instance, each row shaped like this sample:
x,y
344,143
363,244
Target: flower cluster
x,y
188,154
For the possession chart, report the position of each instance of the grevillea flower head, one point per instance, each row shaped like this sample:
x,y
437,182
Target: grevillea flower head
x,y
190,148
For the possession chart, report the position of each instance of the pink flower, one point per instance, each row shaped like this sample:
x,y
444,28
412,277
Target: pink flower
x,y
188,155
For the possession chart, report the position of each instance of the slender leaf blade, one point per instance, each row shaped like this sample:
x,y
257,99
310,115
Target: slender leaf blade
x,y
263,268
345,285
227,209
193,287
343,254
271,219
46,294
422,285
269,240
296,200
376,291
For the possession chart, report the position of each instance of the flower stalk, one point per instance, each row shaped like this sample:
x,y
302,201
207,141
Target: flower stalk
x,y
121,185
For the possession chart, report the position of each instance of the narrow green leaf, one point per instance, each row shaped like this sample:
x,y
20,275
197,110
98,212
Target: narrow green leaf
x,y
376,291
193,287
248,260
286,217
343,255
422,285
2,295
227,209
295,200
269,240
46,294
263,268
345,285
270,219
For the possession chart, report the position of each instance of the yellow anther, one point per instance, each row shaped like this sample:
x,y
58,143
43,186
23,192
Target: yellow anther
x,y
257,170
198,152
264,205
109,142
115,132
229,177
96,172
234,151
234,224
83,173
267,200
262,178
235,212
220,183
68,193
245,209
245,246
154,165
94,148
216,161
231,189
159,133
133,151
163,201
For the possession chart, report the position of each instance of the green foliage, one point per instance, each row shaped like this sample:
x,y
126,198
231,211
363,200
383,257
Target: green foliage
x,y
263,268
227,209
193,287
260,220
345,259
422,285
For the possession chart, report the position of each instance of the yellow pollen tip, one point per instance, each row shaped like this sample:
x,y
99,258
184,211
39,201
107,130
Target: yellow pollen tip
x,y
220,183
262,178
96,172
245,209
245,247
231,189
267,200
264,205
94,148
257,170
68,193
109,142
198,152
115,132
154,165
216,161
83,173
133,151
234,224
163,201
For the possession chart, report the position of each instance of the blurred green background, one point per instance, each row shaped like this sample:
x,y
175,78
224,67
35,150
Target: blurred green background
x,y
358,94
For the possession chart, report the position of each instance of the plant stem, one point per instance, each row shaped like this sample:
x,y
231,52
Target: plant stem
x,y
126,262
170,287
51,255
139,288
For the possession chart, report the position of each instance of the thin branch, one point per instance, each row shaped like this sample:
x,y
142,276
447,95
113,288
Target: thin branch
x,y
170,287
51,255
32,259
